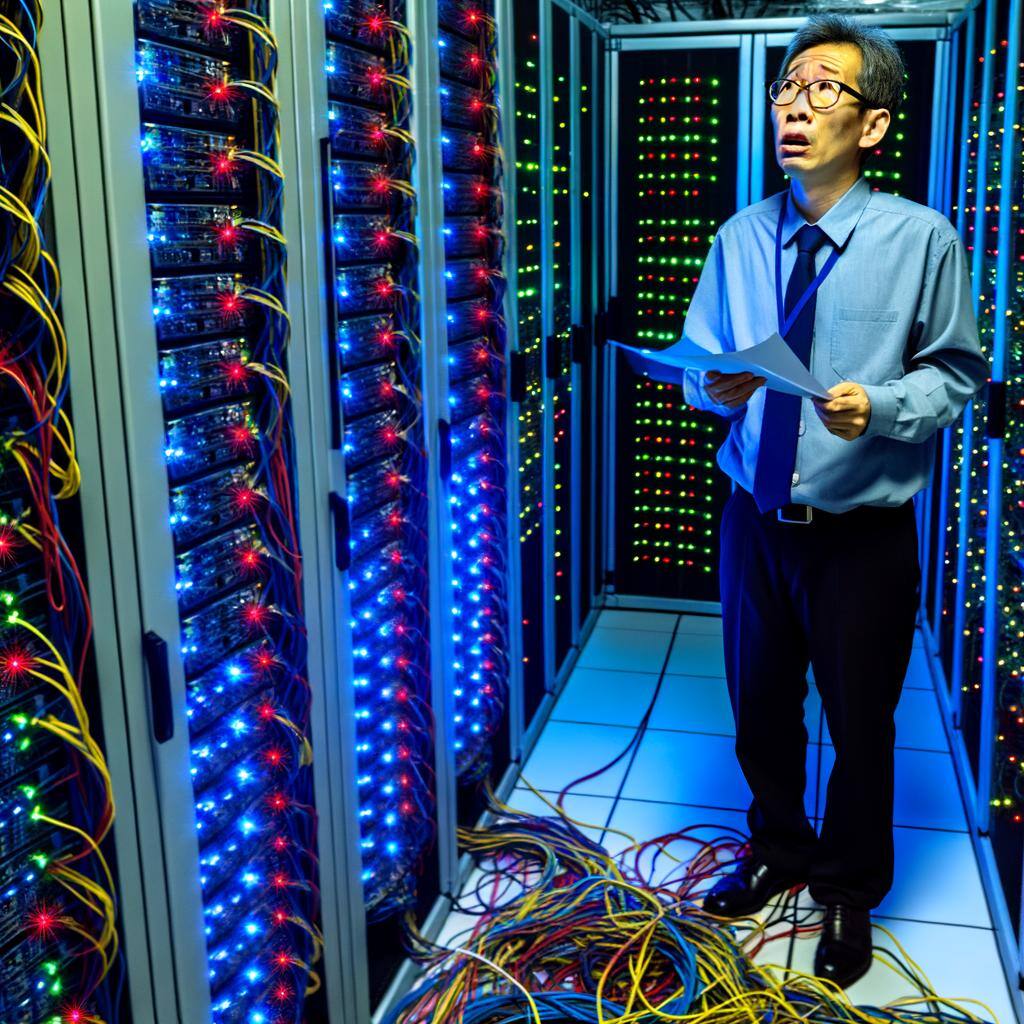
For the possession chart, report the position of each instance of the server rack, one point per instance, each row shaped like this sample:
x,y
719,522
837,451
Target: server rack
x,y
173,131
435,129
60,923
972,627
559,234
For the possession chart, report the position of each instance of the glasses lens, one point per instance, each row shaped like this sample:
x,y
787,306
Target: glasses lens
x,y
782,91
824,94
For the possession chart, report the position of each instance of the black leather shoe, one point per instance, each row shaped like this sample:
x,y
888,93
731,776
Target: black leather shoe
x,y
746,889
844,949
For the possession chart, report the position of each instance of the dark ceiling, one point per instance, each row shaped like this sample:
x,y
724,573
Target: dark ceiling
x,y
683,10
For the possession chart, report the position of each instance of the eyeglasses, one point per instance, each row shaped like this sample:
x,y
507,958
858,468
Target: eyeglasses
x,y
822,93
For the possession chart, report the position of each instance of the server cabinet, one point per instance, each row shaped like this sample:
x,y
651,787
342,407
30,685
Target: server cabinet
x,y
411,294
677,153
976,618
376,482
175,114
972,507
60,920
558,60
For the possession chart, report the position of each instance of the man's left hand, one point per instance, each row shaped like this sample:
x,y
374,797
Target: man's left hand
x,y
847,412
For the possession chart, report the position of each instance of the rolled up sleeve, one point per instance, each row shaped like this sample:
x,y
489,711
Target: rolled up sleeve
x,y
947,364
707,324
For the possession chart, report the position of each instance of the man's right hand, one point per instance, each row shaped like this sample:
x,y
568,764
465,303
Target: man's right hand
x,y
731,389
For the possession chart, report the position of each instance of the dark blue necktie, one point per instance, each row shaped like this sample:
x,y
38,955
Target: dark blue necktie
x,y
776,454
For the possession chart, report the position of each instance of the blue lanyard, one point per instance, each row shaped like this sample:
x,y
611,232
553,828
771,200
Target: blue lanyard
x,y
785,323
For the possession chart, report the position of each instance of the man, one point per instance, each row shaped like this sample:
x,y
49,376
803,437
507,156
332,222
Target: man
x,y
818,539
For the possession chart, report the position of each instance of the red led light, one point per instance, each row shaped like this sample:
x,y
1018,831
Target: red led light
x,y
264,660
220,91
384,287
279,880
241,437
279,917
277,802
43,921
395,519
249,559
282,993
15,664
74,1013
227,233
255,615
381,184
267,711
235,372
244,497
280,845
282,961
376,77
230,302
8,542
223,163
275,757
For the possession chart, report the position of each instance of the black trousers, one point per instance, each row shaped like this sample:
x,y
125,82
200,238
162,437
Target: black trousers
x,y
842,595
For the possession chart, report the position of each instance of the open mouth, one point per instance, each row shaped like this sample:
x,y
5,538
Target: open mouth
x,y
793,144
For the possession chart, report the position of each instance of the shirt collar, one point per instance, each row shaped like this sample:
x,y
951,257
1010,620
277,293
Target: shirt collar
x,y
838,221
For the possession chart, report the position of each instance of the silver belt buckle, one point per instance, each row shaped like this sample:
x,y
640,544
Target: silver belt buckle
x,y
808,516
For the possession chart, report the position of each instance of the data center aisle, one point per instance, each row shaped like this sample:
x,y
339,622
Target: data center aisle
x,y
683,773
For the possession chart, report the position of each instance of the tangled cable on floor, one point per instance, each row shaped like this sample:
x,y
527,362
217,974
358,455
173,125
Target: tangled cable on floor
x,y
576,935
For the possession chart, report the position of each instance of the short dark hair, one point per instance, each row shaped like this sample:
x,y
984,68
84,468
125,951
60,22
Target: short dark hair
x,y
882,68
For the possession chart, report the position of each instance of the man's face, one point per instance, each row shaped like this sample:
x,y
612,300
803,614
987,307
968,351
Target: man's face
x,y
833,137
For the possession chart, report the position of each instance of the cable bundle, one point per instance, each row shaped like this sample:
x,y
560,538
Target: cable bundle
x,y
58,931
586,938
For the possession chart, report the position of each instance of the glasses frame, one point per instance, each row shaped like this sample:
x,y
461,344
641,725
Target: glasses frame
x,y
843,87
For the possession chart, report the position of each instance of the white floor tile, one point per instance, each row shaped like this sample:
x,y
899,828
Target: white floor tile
x,y
710,624
568,750
625,650
926,791
687,768
918,722
958,961
608,697
645,820
624,618
697,654
918,674
590,813
923,856
694,704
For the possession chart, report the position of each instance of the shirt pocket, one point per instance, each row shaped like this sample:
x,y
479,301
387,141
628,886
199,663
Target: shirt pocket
x,y
864,346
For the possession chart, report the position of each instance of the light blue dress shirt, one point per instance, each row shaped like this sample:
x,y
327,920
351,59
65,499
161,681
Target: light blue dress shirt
x,y
894,315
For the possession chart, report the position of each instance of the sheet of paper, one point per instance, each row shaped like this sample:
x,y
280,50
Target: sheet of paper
x,y
772,359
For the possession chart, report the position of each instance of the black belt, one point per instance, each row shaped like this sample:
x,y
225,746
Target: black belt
x,y
801,514
804,515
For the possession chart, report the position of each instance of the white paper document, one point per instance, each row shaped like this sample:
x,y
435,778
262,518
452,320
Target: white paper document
x,y
772,359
